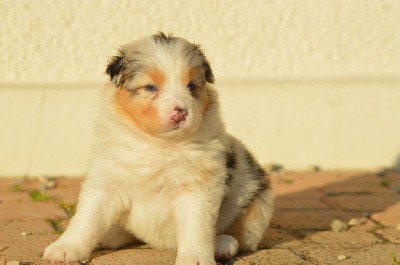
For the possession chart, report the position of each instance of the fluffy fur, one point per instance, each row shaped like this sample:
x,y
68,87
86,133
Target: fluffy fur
x,y
164,170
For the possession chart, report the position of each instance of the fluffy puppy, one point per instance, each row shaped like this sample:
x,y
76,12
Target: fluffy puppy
x,y
164,170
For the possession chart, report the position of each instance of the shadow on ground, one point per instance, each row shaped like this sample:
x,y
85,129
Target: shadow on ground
x,y
306,204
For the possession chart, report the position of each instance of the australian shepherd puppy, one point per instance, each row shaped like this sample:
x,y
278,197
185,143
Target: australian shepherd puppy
x,y
164,170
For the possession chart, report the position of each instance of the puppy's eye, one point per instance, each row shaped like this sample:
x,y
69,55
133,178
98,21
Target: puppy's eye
x,y
192,86
151,88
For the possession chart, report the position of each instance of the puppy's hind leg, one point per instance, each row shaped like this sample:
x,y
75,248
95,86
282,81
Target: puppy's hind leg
x,y
250,227
117,237
226,246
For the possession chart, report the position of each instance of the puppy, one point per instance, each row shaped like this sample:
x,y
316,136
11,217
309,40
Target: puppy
x,y
164,170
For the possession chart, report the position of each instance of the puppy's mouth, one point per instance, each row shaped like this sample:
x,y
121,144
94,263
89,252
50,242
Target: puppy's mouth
x,y
174,125
178,126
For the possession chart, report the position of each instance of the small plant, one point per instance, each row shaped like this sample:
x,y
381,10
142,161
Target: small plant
x,y
69,208
15,187
385,183
56,225
378,227
395,261
288,180
38,196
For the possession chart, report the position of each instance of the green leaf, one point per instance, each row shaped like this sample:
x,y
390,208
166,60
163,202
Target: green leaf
x,y
15,188
56,224
38,196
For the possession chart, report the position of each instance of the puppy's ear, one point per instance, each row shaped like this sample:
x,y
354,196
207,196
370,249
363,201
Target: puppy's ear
x,y
208,72
115,67
197,58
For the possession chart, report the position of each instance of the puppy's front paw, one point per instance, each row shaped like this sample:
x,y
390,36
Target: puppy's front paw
x,y
194,260
66,252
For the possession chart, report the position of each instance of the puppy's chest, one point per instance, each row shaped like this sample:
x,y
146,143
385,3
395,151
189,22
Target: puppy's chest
x,y
173,168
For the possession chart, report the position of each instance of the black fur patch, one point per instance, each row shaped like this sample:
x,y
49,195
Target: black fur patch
x,y
256,170
194,52
208,72
115,65
160,37
230,159
259,175
230,163
228,180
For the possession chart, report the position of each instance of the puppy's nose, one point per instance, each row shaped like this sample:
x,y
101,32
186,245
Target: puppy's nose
x,y
178,114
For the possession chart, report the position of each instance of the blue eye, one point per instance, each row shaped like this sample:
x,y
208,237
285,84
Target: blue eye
x,y
151,88
192,86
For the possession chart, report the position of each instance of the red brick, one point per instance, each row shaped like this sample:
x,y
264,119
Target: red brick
x,y
389,216
358,238
271,256
27,211
310,181
15,228
391,234
308,219
374,255
299,203
364,203
134,256
27,248
276,238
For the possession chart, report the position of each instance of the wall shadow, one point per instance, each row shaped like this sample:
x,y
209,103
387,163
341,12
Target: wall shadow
x,y
302,214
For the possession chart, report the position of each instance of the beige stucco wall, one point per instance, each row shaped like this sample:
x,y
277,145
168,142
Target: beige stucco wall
x,y
302,82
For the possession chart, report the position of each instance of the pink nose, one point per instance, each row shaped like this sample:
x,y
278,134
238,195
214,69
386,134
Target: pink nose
x,y
179,114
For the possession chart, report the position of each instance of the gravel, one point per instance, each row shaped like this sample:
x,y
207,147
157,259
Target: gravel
x,y
339,226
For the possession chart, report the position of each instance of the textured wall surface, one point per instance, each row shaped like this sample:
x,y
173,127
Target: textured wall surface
x,y
302,81
69,41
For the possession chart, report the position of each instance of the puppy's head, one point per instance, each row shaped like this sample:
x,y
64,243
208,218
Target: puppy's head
x,y
161,85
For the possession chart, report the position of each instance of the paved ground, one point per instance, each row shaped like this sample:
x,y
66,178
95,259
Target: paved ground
x,y
300,233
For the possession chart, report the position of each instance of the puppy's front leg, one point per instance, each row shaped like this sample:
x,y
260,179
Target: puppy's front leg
x,y
195,219
96,211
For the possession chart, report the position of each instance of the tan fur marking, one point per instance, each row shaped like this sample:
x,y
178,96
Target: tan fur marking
x,y
139,110
158,77
187,76
205,99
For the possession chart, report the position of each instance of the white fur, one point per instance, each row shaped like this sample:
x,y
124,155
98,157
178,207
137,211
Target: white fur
x,y
226,246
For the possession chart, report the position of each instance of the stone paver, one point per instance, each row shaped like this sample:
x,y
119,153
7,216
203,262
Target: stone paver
x,y
363,202
277,238
390,233
389,216
130,256
26,211
271,256
379,254
300,233
358,238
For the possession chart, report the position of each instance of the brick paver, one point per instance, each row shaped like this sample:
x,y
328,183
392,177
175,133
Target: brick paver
x,y
300,233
